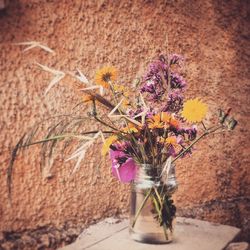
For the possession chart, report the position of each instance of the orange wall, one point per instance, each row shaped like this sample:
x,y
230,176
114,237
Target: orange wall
x,y
212,35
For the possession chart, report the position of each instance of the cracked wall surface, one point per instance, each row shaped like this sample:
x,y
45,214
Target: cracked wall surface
x,y
213,36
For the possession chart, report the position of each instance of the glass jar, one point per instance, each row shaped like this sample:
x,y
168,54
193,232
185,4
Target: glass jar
x,y
152,211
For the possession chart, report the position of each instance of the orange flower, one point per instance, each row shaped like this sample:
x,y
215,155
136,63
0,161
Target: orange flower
x,y
130,129
125,103
105,75
171,140
162,120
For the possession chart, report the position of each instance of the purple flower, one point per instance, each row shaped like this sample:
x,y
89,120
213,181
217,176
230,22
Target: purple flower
x,y
154,87
191,132
155,78
172,148
123,167
174,102
171,151
176,59
177,81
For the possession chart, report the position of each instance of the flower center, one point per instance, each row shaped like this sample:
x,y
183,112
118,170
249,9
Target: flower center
x,y
106,77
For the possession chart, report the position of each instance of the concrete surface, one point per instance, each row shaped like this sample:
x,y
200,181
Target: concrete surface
x,y
190,234
238,246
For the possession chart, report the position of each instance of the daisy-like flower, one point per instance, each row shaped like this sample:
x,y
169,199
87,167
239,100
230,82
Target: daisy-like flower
x,y
130,129
119,88
194,110
171,140
162,120
172,143
125,103
105,75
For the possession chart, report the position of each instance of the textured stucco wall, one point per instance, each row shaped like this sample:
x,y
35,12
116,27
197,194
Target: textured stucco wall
x,y
212,35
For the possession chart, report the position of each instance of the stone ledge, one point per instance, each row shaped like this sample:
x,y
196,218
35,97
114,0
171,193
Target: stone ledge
x,y
190,234
238,246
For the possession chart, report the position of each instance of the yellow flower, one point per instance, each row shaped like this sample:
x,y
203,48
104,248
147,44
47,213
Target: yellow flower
x,y
122,90
162,120
171,140
110,140
105,75
130,129
119,88
194,110
125,103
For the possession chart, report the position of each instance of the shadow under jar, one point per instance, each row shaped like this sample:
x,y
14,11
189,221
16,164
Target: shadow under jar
x,y
152,212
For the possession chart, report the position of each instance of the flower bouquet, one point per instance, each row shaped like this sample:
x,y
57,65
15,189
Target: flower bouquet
x,y
145,129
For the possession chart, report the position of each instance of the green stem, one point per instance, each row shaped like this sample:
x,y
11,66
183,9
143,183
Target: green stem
x,y
106,124
160,215
165,230
158,196
190,146
141,207
207,132
58,137
203,125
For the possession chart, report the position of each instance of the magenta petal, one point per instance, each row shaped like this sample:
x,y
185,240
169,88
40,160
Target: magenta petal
x,y
171,151
126,172
115,154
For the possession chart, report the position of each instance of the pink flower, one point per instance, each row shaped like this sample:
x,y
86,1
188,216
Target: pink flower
x,y
123,167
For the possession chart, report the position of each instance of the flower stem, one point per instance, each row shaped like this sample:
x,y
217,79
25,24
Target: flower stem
x,y
207,132
63,136
141,207
190,146
203,125
105,124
